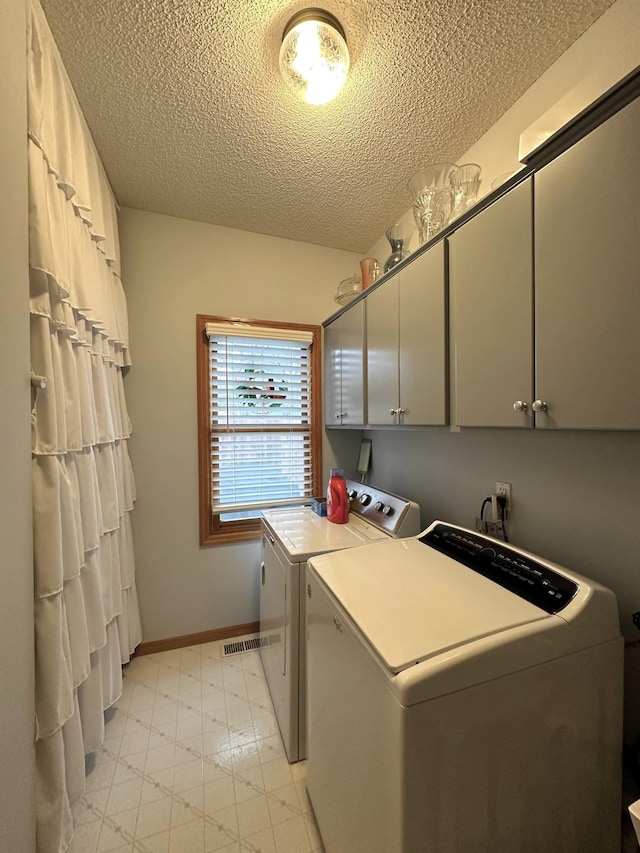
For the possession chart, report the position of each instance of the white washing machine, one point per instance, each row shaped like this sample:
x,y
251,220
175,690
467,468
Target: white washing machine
x,y
289,538
464,696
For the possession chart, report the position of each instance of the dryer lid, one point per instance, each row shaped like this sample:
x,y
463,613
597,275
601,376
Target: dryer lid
x,y
413,603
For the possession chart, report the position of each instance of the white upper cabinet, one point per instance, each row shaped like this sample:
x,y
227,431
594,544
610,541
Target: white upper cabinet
x,y
587,280
406,345
344,369
491,291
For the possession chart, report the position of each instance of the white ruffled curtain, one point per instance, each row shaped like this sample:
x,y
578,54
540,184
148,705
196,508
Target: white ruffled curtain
x,y
86,607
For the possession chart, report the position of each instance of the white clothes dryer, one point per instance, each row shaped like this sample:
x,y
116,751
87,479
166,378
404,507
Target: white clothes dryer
x,y
465,696
289,537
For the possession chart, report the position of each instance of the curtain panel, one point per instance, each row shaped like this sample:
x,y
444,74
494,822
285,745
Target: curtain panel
x,y
86,610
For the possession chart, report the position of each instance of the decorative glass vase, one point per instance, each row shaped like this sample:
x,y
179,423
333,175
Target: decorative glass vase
x,y
432,198
465,182
399,236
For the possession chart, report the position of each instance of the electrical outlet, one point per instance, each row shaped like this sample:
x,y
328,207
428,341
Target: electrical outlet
x,y
505,489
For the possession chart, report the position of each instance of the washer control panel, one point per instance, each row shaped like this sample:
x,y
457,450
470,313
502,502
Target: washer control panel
x,y
389,512
530,579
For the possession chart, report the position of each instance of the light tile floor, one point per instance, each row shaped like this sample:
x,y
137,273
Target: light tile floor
x,y
193,762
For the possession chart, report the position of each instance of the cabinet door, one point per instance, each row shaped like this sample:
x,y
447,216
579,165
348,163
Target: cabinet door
x,y
587,255
352,365
382,353
332,375
422,361
491,282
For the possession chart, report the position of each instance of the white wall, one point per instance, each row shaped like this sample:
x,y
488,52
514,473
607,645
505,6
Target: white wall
x,y
174,269
607,51
17,824
576,495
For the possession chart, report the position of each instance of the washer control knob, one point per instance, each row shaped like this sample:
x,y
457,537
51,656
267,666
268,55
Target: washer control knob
x,y
539,406
379,506
520,406
365,499
387,510
352,494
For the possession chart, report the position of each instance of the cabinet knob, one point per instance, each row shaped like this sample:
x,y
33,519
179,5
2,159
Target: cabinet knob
x,y
400,411
393,411
520,406
539,406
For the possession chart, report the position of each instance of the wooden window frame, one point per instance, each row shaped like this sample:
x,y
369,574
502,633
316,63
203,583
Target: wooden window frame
x,y
212,530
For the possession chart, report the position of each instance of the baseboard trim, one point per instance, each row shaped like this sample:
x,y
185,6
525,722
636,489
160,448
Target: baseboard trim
x,y
155,646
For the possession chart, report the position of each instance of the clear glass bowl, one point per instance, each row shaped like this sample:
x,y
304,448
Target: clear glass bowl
x,y
348,289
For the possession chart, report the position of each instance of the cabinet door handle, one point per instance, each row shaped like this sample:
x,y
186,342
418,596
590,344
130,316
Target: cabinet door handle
x,y
400,411
539,406
520,406
393,411
262,568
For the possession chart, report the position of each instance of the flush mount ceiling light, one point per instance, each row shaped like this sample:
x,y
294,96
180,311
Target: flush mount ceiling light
x,y
314,59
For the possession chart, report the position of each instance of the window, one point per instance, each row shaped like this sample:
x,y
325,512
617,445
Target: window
x,y
259,416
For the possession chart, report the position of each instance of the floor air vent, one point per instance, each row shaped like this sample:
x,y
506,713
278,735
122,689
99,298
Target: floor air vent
x,y
245,646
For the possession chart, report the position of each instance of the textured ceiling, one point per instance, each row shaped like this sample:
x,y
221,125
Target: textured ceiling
x,y
192,119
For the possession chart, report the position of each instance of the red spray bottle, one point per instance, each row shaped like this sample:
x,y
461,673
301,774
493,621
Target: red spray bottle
x,y
337,499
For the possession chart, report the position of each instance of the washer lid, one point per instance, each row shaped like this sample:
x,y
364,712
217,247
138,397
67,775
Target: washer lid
x,y
303,533
412,603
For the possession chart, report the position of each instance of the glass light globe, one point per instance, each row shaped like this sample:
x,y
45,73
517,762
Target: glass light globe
x,y
314,59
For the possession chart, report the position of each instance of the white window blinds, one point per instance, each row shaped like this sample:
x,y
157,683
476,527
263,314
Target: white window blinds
x,y
260,409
